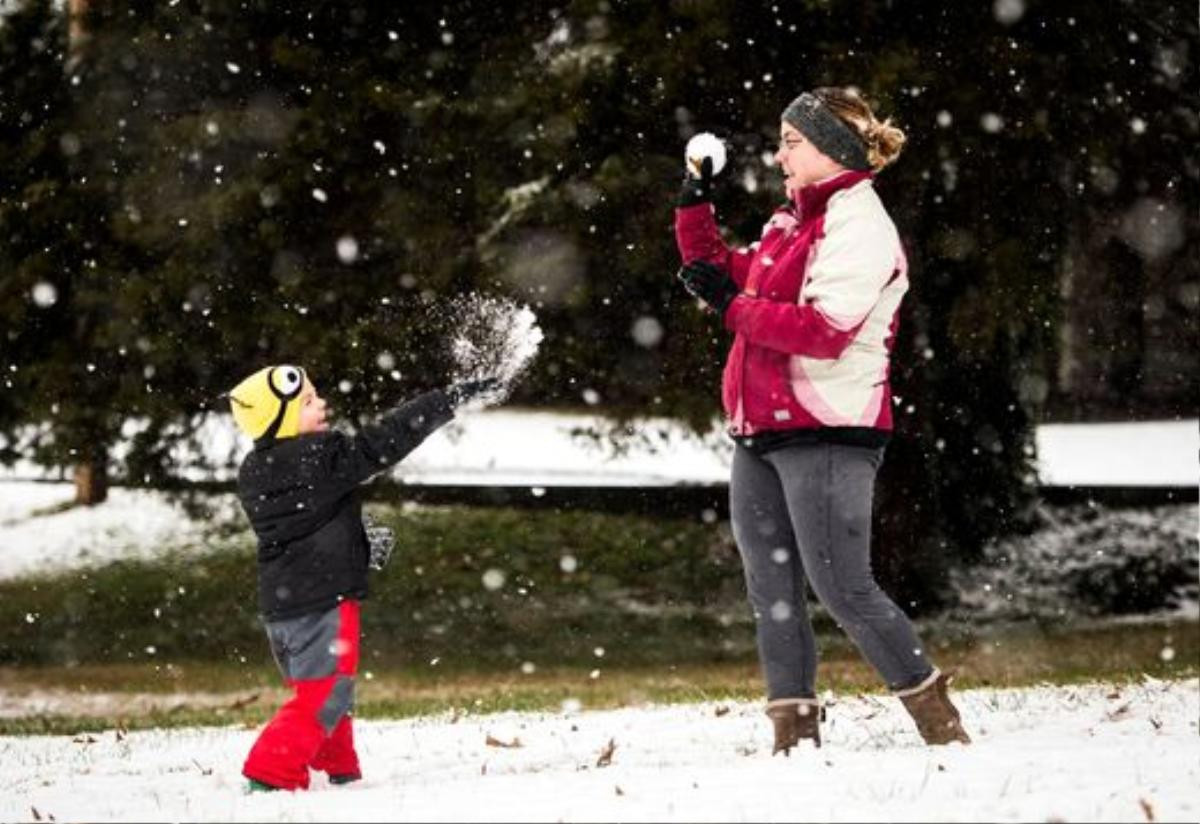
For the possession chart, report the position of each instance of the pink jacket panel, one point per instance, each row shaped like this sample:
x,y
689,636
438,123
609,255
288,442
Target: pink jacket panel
x,y
817,316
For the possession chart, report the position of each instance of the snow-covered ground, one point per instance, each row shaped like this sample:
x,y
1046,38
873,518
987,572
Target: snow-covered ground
x,y
1142,453
134,524
1082,753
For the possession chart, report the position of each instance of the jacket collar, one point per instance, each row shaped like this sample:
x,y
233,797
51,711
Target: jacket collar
x,y
811,199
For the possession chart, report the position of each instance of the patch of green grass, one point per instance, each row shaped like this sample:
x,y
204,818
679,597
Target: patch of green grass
x,y
83,725
1011,655
999,657
644,584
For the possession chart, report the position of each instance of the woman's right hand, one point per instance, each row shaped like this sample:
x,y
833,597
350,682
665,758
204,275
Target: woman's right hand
x,y
710,283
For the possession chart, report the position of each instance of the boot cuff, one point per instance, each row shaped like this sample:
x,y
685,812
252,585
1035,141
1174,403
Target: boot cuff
x,y
921,687
793,702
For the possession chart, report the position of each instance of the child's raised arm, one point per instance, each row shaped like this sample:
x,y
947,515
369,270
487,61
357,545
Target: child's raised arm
x,y
353,459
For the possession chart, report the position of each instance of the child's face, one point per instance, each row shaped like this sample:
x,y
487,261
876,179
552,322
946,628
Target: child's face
x,y
312,410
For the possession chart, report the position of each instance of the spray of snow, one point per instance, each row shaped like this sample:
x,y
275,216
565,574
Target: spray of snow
x,y
494,338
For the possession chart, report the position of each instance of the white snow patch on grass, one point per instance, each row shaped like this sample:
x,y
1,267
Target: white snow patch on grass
x,y
513,446
27,703
1081,753
20,500
1135,453
132,524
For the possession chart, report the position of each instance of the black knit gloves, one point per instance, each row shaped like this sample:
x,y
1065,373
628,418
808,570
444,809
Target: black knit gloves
x,y
710,283
463,391
696,190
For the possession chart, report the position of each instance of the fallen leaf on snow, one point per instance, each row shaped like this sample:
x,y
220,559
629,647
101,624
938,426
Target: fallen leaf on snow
x,y
606,753
1119,713
492,741
1147,810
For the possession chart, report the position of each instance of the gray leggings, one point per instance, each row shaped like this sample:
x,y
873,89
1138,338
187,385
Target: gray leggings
x,y
806,510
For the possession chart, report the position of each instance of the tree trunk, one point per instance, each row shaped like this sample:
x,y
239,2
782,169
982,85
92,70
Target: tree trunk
x,y
91,473
91,482
77,33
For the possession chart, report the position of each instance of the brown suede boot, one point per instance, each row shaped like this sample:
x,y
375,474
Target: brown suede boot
x,y
795,719
929,704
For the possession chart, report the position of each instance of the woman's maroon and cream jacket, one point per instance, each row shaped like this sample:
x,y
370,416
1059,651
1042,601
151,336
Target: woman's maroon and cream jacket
x,y
817,316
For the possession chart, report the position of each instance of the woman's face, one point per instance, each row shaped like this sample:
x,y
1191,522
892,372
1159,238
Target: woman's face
x,y
802,162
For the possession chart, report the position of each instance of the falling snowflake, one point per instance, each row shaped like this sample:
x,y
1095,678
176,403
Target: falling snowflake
x,y
493,579
44,294
347,249
647,331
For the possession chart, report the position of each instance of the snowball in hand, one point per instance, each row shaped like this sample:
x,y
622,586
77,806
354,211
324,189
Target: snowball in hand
x,y
705,144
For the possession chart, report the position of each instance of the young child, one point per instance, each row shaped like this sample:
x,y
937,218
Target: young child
x,y
299,488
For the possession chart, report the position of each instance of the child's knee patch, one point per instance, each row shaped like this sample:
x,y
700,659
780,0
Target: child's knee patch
x,y
339,702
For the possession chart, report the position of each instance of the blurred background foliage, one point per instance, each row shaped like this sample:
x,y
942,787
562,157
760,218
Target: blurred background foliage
x,y
197,188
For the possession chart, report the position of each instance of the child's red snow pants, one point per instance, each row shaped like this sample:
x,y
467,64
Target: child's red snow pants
x,y
318,656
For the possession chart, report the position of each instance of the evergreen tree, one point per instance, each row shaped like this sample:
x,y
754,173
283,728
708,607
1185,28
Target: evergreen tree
x,y
59,273
214,186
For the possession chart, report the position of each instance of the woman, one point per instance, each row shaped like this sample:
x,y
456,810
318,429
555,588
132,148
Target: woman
x,y
814,305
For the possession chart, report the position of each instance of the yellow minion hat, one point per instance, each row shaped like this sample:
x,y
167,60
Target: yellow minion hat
x,y
264,404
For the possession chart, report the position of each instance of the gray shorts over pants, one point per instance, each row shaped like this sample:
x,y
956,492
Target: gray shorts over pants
x,y
805,511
